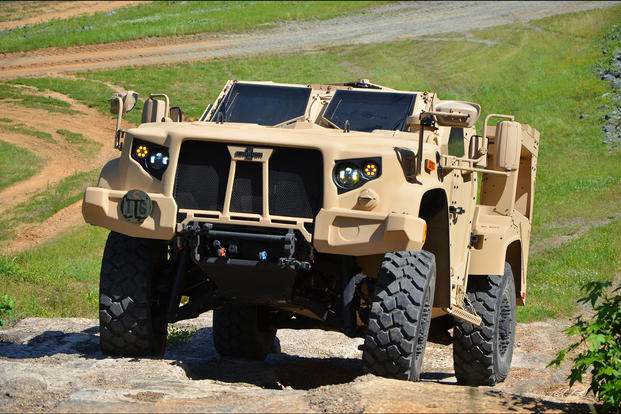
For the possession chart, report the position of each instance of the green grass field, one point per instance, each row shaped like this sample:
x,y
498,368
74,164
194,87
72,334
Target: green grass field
x,y
171,19
541,72
17,164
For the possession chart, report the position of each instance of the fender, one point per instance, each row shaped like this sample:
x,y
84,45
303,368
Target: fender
x,y
109,177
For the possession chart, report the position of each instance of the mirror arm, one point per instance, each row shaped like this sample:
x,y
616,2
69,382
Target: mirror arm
x,y
449,163
509,117
120,113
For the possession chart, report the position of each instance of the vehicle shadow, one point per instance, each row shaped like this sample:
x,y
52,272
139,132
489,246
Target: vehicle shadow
x,y
22,345
196,356
199,360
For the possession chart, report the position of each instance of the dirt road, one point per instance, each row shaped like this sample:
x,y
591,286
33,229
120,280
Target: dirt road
x,y
386,23
55,365
41,12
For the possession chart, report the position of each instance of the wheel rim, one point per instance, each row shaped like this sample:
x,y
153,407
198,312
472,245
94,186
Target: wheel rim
x,y
505,327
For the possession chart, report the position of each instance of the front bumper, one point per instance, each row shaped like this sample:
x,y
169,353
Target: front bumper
x,y
102,207
337,231
361,233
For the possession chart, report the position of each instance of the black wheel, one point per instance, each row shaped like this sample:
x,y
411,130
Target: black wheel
x,y
131,314
482,355
400,316
243,331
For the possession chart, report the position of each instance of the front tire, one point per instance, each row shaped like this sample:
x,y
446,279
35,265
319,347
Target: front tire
x,y
243,330
132,318
400,316
482,355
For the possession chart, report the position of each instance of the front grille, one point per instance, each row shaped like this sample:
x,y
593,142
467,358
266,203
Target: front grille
x,y
296,182
202,173
247,196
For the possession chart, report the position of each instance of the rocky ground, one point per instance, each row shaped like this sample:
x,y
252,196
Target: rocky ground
x,y
56,365
612,128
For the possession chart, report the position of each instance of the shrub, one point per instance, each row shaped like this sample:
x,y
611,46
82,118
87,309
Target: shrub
x,y
600,344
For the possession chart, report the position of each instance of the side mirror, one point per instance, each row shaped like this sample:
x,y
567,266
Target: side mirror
x,y
127,100
508,143
176,114
457,113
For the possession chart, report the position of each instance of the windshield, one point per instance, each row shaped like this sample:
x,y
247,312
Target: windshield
x,y
367,111
262,104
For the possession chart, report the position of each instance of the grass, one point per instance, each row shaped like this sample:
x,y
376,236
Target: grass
x,y
86,146
556,275
17,164
177,335
90,93
169,19
46,203
15,95
543,76
13,10
57,279
19,128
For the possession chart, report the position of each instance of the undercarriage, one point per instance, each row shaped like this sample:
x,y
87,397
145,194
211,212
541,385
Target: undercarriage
x,y
216,264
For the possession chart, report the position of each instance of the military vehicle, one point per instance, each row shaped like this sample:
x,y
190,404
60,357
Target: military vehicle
x,y
347,206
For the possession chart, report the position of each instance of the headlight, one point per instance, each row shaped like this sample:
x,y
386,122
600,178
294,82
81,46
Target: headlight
x,y
152,157
352,173
348,177
157,161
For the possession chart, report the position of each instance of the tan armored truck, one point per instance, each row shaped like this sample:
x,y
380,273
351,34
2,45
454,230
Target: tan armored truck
x,y
348,207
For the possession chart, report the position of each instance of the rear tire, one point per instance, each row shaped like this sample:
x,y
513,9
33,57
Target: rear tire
x,y
400,316
131,315
482,355
242,330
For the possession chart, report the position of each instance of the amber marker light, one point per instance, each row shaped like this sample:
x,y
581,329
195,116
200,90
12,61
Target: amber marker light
x,y
430,165
142,151
370,169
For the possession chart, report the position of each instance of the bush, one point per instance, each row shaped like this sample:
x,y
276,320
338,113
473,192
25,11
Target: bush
x,y
600,345
7,304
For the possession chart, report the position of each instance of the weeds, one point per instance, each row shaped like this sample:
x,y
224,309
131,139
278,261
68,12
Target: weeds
x,y
7,304
177,335
599,344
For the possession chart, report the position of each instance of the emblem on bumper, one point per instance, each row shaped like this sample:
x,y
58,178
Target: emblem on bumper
x,y
136,206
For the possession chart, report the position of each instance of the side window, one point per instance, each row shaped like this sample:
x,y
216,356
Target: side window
x,y
456,142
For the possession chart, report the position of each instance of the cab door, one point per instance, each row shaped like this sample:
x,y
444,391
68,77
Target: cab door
x,y
462,190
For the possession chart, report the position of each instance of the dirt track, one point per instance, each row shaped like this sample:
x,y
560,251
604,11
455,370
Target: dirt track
x,y
55,365
61,160
62,10
386,23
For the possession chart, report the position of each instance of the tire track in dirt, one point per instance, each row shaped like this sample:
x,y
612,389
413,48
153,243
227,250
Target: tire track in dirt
x,y
62,160
409,20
